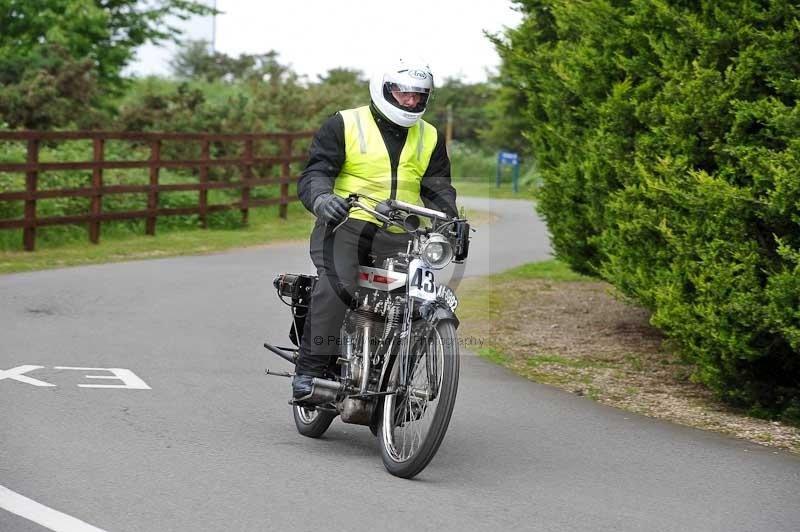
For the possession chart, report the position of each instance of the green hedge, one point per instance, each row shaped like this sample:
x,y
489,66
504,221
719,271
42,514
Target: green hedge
x,y
666,134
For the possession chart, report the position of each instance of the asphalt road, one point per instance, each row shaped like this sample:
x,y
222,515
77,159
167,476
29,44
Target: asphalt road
x,y
193,437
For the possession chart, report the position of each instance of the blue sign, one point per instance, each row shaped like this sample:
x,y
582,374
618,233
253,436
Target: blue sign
x,y
508,157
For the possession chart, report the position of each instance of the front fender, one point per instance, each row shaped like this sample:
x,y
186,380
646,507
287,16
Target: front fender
x,y
435,311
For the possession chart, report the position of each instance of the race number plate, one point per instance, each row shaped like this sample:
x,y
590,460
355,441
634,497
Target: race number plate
x,y
447,295
421,281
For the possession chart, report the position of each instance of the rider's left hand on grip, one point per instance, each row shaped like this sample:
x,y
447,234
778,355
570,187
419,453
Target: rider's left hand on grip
x,y
331,208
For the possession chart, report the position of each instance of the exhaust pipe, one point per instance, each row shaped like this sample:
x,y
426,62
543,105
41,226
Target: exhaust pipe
x,y
365,360
324,391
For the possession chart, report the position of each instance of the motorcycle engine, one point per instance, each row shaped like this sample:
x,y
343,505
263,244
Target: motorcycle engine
x,y
382,314
378,310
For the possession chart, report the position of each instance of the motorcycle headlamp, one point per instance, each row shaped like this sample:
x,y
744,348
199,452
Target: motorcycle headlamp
x,y
437,251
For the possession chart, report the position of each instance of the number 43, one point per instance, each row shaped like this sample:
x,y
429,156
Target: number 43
x,y
426,285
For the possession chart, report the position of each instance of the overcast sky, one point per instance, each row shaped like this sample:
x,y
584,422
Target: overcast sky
x,y
313,36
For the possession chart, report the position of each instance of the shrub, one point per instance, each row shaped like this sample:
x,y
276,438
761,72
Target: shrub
x,y
666,136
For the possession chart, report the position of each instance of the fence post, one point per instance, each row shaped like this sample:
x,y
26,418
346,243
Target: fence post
x,y
286,152
97,182
499,168
31,183
448,136
204,156
247,174
152,196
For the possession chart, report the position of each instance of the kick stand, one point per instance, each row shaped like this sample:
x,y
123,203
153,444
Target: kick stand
x,y
289,354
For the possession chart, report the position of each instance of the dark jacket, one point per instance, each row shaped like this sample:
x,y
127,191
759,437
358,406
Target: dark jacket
x,y
327,154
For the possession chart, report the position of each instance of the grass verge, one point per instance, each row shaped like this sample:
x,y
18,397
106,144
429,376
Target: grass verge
x,y
485,188
265,227
552,326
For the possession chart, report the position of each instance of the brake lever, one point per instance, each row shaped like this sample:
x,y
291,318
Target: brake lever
x,y
380,216
352,199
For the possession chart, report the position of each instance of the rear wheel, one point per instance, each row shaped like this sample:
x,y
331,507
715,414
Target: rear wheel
x,y
413,422
312,422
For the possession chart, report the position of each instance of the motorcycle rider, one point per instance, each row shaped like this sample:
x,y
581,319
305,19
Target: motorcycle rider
x,y
384,150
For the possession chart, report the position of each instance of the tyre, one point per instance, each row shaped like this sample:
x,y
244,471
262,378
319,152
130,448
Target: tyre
x,y
412,424
312,422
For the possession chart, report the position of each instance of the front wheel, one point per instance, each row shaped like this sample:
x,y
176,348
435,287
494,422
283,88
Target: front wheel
x,y
413,421
312,422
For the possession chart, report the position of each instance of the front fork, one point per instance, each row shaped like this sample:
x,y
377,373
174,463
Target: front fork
x,y
408,360
405,346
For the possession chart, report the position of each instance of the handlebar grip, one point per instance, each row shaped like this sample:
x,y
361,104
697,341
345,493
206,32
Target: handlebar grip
x,y
383,208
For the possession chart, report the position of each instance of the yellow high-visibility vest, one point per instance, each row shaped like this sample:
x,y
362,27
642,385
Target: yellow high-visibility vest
x,y
367,168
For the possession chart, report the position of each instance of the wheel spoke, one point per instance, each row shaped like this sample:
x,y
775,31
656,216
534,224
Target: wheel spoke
x,y
413,411
307,415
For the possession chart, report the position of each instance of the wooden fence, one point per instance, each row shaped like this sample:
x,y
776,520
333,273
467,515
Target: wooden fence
x,y
245,160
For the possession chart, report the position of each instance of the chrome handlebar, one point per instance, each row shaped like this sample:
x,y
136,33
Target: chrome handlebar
x,y
458,232
416,209
385,208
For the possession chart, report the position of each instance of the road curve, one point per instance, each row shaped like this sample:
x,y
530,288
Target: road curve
x,y
210,446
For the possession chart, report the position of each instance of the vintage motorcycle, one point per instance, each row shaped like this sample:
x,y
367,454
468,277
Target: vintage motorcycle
x,y
397,371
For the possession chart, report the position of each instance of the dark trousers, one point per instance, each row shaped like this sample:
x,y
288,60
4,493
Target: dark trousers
x,y
337,256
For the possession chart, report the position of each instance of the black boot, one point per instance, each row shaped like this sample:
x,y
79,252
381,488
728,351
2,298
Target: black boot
x,y
302,386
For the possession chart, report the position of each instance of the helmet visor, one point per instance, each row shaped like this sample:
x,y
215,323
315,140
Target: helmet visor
x,y
409,98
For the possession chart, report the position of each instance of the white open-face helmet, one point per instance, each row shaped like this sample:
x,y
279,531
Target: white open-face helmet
x,y
404,76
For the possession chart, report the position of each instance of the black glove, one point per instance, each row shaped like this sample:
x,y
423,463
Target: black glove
x,y
331,208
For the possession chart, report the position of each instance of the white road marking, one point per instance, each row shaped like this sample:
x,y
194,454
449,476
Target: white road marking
x,y
17,375
130,379
41,514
